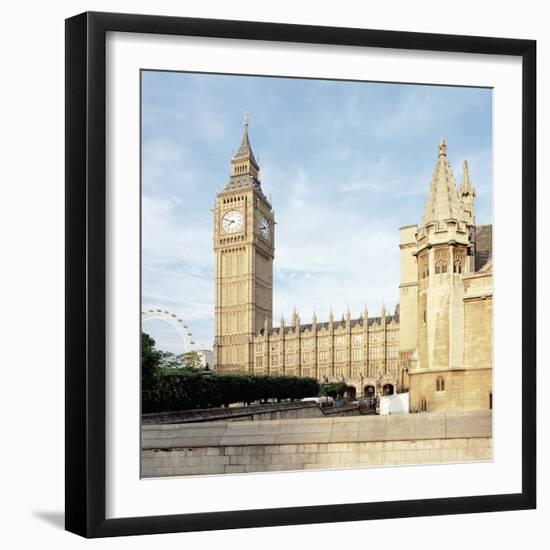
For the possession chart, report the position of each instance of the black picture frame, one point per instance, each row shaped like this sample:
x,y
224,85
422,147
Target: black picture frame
x,y
86,274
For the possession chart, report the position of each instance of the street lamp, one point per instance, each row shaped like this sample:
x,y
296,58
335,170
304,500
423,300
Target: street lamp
x,y
379,384
378,390
326,385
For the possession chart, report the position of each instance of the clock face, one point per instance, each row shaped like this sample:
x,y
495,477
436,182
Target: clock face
x,y
265,230
232,221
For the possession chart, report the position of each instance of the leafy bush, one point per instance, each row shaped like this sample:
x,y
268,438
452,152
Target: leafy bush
x,y
178,390
165,388
336,390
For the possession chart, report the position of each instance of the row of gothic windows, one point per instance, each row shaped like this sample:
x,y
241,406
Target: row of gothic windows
x,y
241,169
322,342
233,199
441,267
339,355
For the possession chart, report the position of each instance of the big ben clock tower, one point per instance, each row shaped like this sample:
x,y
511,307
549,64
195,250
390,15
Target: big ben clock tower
x,y
244,248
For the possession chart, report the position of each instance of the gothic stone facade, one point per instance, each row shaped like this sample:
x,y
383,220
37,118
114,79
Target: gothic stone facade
x,y
446,295
437,345
362,352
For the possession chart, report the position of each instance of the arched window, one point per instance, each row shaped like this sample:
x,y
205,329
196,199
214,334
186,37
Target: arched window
x,y
440,384
440,267
458,265
423,266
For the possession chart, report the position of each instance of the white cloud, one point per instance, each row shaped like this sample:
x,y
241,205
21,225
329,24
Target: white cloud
x,y
177,265
329,255
361,186
346,166
169,238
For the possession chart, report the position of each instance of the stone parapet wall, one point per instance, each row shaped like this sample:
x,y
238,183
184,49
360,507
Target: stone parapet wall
x,y
270,411
218,448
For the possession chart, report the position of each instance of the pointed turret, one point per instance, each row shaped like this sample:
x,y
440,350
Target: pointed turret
x,y
466,186
245,170
245,150
348,315
330,316
443,200
295,317
467,194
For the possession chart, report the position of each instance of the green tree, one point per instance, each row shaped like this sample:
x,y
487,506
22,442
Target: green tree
x,y
169,360
191,360
335,390
180,389
150,362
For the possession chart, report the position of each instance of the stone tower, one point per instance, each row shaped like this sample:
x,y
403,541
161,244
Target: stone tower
x,y
244,248
442,250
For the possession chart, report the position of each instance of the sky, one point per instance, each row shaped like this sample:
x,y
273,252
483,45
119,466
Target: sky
x,y
344,163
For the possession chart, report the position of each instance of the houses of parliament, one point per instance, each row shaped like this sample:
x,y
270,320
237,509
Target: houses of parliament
x,y
437,344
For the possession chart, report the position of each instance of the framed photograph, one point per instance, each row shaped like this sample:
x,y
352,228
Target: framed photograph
x,y
300,274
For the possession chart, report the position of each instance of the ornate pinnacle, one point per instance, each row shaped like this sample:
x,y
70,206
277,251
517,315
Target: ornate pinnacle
x,y
443,200
442,148
466,186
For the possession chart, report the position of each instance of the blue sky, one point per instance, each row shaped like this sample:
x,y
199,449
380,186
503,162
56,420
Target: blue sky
x,y
345,163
